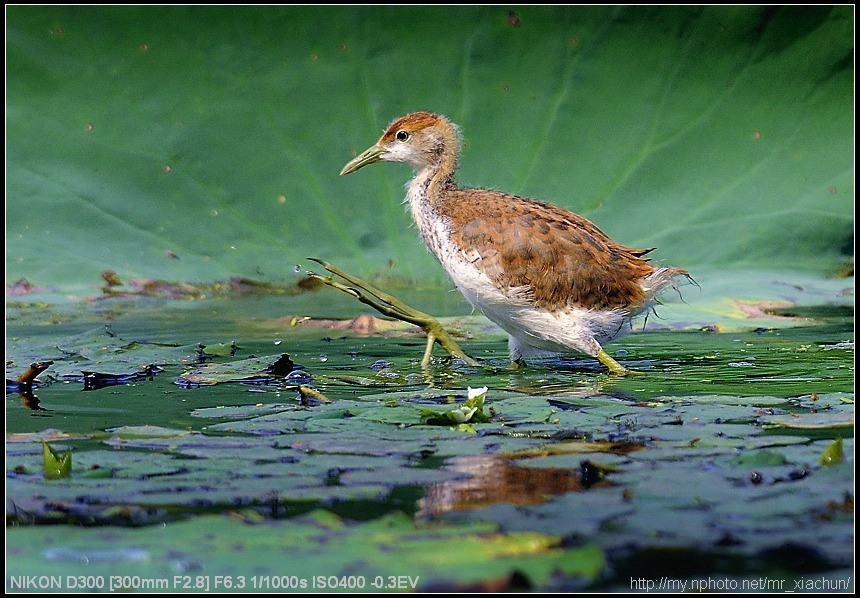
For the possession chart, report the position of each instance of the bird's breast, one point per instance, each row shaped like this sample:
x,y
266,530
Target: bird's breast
x,y
462,264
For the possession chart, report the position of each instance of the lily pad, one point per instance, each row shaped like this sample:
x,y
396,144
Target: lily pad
x,y
255,370
392,553
810,420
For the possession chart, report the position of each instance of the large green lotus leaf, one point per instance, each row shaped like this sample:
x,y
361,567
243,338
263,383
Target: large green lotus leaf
x,y
199,143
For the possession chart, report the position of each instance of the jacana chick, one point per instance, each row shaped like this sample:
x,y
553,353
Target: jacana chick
x,y
548,277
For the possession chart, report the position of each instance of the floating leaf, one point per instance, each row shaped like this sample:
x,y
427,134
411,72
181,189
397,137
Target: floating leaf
x,y
221,349
48,434
147,432
255,370
810,421
389,553
708,480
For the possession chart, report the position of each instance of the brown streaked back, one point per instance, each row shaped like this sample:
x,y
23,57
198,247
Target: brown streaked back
x,y
560,257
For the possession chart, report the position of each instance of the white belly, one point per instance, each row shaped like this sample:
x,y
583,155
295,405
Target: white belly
x,y
536,330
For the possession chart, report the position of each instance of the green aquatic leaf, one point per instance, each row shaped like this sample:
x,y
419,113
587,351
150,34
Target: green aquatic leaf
x,y
54,465
252,370
833,454
323,549
210,148
147,432
811,421
102,351
471,410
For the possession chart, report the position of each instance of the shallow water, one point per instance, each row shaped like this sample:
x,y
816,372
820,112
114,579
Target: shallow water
x,y
779,362
738,419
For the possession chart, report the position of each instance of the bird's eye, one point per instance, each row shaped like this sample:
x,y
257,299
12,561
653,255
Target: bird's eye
x,y
402,135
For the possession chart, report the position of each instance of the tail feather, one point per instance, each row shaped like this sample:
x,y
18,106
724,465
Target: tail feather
x,y
662,278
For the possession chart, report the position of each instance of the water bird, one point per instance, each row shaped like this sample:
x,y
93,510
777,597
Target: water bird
x,y
550,278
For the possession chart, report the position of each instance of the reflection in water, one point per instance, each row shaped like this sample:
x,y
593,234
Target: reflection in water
x,y
28,399
24,385
495,478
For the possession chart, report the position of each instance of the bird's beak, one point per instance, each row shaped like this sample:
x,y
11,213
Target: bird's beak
x,y
368,156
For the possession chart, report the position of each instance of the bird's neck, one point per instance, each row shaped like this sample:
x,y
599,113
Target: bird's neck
x,y
428,193
435,172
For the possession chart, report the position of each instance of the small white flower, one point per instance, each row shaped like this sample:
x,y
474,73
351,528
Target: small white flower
x,y
477,392
463,414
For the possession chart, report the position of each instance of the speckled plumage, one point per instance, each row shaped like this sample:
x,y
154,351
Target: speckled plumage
x,y
548,277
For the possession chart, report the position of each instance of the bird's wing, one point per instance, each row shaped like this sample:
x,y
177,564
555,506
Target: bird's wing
x,y
559,258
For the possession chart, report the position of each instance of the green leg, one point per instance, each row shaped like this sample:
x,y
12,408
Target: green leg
x,y
428,351
517,364
614,366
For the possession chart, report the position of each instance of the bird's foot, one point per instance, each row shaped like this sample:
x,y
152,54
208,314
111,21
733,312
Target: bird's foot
x,y
613,366
517,364
391,306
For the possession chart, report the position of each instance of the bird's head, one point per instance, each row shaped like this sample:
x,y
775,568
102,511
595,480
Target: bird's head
x,y
420,139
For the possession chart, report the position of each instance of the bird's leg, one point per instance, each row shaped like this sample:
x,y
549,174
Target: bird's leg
x,y
517,364
515,350
593,348
428,352
614,366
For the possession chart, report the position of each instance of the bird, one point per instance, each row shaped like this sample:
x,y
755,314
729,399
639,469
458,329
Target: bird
x,y
548,277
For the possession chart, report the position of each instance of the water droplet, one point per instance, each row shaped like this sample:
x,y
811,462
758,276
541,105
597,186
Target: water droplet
x,y
323,357
167,168
89,127
278,342
380,364
298,268
298,377
621,353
